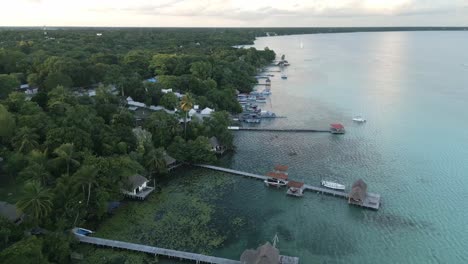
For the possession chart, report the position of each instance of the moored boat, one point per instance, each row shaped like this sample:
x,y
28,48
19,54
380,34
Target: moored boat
x,y
359,119
276,178
284,76
275,182
333,185
82,231
267,114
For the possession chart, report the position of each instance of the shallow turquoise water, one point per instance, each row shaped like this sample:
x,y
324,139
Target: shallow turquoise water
x,y
413,89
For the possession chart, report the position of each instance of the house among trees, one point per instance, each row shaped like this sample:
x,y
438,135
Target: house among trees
x,y
216,146
207,111
171,163
358,192
11,213
137,187
266,254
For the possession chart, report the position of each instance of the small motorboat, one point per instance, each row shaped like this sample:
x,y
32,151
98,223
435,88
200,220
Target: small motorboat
x,y
275,182
333,185
267,114
251,98
284,76
81,231
359,119
261,100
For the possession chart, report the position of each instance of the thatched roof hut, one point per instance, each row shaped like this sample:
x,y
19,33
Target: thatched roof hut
x,y
10,212
169,160
278,175
358,191
266,254
281,168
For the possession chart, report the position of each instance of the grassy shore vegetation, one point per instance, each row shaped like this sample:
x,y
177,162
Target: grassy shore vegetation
x,y
187,214
66,155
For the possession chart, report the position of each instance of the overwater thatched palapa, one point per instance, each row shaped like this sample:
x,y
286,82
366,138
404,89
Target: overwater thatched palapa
x,y
266,254
358,191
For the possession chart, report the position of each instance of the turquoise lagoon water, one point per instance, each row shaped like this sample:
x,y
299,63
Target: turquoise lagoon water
x,y
412,87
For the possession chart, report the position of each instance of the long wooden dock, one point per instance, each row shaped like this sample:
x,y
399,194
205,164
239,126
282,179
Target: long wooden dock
x,y
297,130
198,258
372,200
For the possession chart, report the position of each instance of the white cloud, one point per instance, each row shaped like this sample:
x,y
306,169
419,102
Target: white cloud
x,y
234,12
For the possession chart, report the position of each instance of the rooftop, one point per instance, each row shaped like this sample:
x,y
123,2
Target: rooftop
x,y
9,211
277,175
295,184
337,126
136,181
281,167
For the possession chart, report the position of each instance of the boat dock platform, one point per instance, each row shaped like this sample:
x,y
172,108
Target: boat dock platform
x,y
372,200
236,128
198,258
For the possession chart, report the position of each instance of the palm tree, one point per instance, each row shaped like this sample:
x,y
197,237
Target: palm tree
x,y
65,153
25,140
86,175
155,160
37,167
36,200
186,104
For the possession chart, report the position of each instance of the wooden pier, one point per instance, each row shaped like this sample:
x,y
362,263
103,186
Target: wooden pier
x,y
297,130
372,200
198,258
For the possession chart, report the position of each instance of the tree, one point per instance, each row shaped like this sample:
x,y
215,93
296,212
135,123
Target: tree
x,y
139,61
56,246
25,251
7,84
155,161
186,104
169,101
86,175
201,69
25,140
36,201
163,127
37,167
199,151
55,79
178,149
66,153
7,122
34,79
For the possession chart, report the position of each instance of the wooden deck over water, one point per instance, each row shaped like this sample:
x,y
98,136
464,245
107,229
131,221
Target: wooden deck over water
x,y
198,258
298,130
372,200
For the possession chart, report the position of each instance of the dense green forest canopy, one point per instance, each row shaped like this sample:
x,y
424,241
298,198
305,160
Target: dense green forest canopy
x,y
71,154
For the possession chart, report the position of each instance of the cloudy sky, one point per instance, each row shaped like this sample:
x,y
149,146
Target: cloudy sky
x,y
233,13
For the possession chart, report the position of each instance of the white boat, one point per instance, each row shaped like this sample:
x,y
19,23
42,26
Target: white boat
x,y
359,119
333,185
82,231
275,182
267,114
